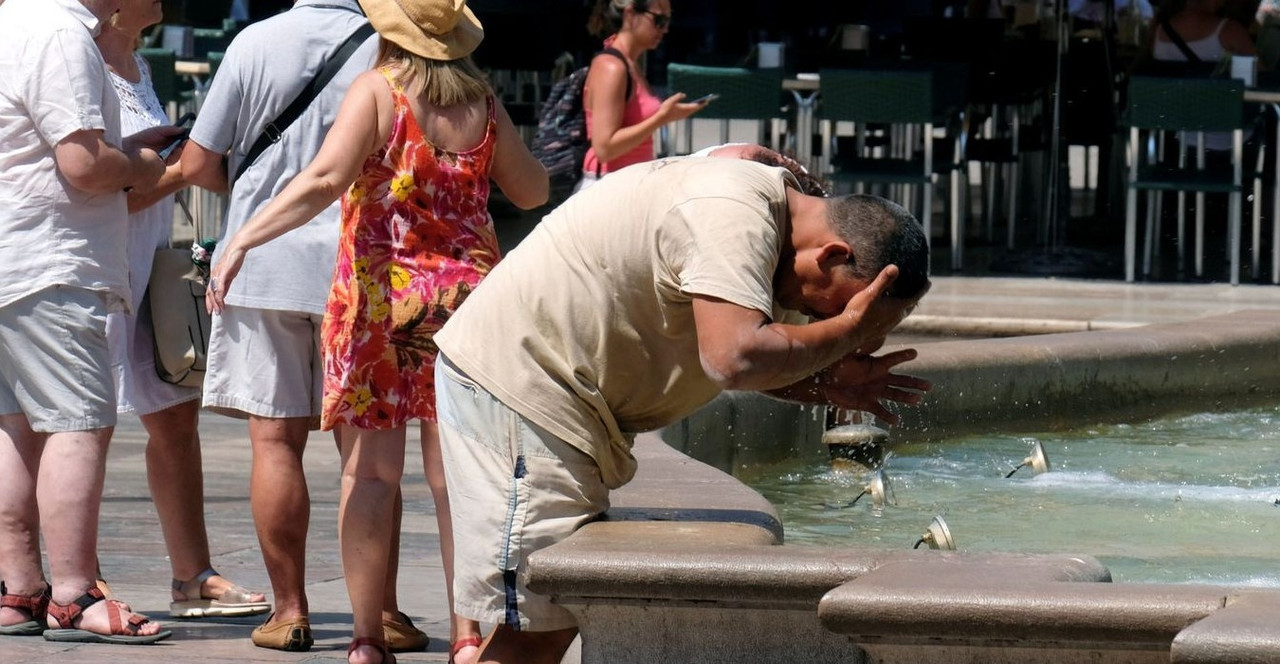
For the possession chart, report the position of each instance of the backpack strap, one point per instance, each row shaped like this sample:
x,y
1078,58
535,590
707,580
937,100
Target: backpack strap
x,y
625,63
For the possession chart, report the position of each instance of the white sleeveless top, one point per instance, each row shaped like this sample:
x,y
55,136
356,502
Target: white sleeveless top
x,y
1208,48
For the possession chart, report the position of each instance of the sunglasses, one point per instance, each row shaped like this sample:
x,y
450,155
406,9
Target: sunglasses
x,y
660,21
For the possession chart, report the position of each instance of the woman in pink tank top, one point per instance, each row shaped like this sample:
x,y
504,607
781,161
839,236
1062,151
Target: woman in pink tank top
x,y
622,112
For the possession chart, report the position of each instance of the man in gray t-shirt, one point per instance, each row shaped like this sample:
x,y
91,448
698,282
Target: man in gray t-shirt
x,y
264,353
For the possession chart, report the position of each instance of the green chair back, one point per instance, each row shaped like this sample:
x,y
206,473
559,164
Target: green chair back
x,y
879,96
207,40
1186,104
215,61
163,77
745,94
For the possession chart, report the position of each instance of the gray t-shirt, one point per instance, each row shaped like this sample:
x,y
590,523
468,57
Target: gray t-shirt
x,y
264,70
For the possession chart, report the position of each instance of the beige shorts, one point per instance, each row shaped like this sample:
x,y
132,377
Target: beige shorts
x,y
514,488
265,363
55,365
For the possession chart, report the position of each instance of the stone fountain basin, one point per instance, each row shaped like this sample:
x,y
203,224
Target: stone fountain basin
x,y
688,564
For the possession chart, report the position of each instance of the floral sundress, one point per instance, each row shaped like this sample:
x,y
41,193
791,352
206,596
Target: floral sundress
x,y
416,238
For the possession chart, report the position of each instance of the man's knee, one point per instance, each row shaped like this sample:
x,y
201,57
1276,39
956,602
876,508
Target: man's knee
x,y
284,435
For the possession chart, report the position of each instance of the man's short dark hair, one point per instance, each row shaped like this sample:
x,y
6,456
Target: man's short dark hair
x,y
882,233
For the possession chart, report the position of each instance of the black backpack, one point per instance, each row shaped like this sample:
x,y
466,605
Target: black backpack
x,y
561,140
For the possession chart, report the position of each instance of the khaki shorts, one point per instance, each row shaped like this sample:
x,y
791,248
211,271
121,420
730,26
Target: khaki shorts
x,y
265,363
514,488
55,365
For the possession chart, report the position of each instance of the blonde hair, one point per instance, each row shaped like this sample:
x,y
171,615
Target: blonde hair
x,y
442,82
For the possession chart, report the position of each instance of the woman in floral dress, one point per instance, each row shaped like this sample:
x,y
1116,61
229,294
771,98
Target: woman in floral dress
x,y
414,147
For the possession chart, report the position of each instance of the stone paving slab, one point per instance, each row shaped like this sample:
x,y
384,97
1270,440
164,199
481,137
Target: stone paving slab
x,y
133,557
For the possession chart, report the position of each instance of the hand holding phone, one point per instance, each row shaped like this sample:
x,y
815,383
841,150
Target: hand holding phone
x,y
706,98
179,139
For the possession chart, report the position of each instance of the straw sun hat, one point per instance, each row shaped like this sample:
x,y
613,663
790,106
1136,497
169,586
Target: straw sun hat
x,y
435,29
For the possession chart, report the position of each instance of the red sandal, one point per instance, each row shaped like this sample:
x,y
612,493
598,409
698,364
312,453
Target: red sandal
x,y
387,657
464,642
35,605
123,631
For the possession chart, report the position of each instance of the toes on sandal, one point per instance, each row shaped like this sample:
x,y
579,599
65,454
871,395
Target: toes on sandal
x,y
36,606
288,635
123,630
464,642
402,636
387,657
232,602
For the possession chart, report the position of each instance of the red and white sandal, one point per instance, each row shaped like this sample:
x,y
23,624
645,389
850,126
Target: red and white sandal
x,y
36,606
123,630
464,642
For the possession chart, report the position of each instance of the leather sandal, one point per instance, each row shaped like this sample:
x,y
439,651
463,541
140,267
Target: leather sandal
x,y
464,642
403,636
36,606
288,635
387,657
195,603
123,630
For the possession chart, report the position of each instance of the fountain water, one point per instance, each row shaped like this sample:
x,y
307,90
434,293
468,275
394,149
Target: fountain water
x,y
1180,499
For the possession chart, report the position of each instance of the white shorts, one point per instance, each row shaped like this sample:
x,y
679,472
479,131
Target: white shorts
x,y
514,488
55,365
265,363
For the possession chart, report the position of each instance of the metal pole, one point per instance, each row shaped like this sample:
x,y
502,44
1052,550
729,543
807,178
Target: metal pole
x,y
1055,146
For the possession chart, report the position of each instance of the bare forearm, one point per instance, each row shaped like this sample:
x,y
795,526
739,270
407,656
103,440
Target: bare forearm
x,y
169,183
626,139
305,197
778,356
107,169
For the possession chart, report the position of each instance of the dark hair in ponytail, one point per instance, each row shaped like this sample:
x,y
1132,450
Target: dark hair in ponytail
x,y
606,16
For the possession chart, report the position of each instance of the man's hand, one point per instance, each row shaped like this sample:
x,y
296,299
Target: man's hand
x,y
863,382
874,314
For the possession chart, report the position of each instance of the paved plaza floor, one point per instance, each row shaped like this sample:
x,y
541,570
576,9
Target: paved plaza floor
x,y
133,556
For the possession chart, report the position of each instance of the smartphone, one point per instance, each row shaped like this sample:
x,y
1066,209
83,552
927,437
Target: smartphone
x,y
178,140
705,99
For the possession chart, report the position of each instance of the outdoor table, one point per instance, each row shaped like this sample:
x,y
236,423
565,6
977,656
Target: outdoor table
x,y
198,72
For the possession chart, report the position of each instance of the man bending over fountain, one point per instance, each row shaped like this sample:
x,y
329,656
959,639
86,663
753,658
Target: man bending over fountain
x,y
630,306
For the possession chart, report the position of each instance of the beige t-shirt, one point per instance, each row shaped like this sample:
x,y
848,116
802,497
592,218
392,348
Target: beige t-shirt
x,y
587,327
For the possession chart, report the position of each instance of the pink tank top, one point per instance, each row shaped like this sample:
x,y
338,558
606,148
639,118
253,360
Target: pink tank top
x,y
643,104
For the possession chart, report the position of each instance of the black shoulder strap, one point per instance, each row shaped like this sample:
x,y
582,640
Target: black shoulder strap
x,y
625,63
1178,41
275,129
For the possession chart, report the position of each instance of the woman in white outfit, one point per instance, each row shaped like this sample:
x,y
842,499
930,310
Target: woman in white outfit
x,y
168,412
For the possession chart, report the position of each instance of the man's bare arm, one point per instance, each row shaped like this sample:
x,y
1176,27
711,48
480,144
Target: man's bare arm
x,y
741,349
204,167
93,166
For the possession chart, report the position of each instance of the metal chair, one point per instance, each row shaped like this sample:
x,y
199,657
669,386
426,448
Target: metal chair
x,y
1191,106
912,106
744,94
